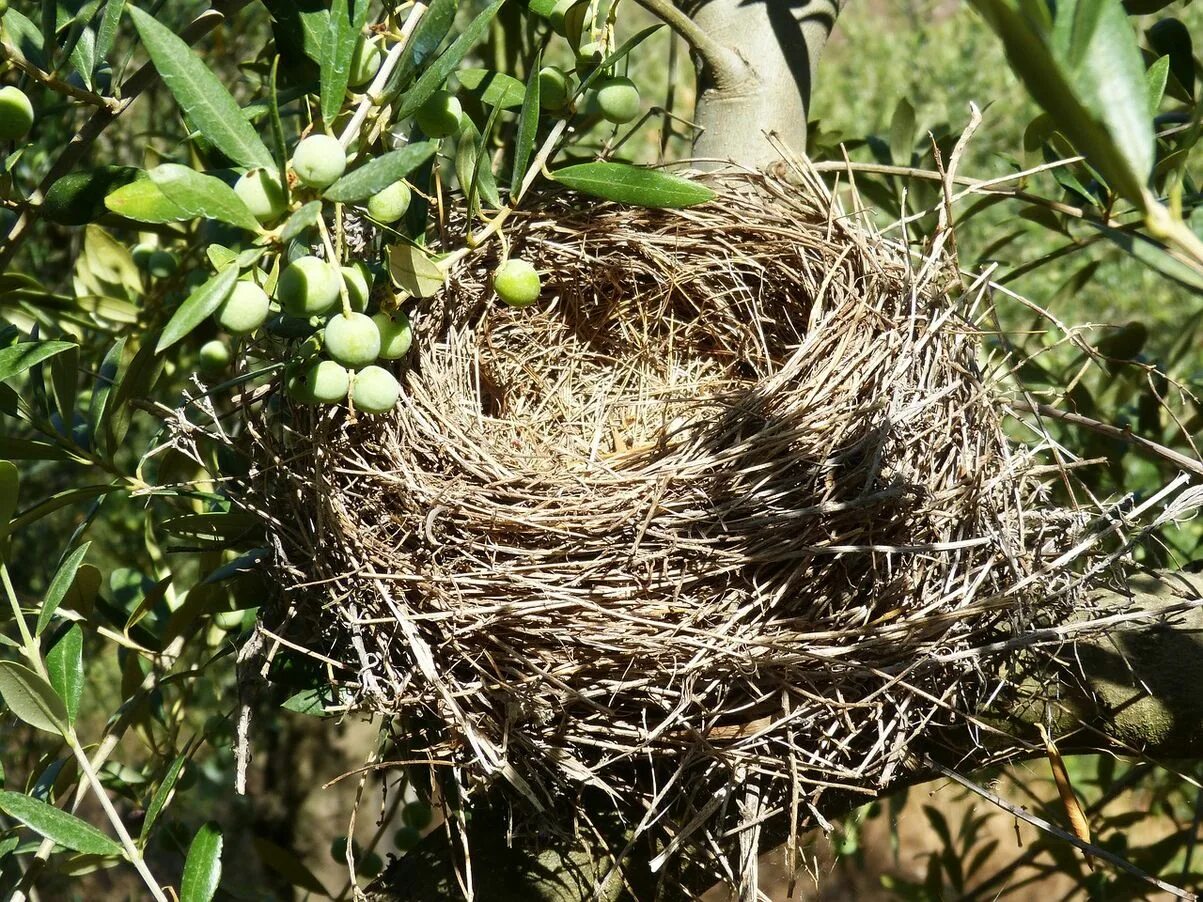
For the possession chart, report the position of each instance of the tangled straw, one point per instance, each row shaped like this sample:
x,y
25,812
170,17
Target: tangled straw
x,y
723,507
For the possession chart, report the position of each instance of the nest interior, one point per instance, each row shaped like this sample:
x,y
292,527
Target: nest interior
x,y
718,506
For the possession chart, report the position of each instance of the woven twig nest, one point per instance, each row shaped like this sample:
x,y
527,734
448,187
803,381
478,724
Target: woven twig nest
x,y
723,504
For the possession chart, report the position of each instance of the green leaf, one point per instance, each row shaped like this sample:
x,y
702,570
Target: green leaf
x,y
108,28
902,133
159,800
59,585
199,305
31,698
83,56
338,47
59,500
632,185
434,77
426,39
102,391
622,51
199,93
378,174
414,271
304,218
473,167
202,196
1155,256
64,829
64,382
1156,77
65,665
495,88
10,489
202,868
1170,38
1087,74
18,358
135,383
12,448
221,527
528,126
142,201
25,36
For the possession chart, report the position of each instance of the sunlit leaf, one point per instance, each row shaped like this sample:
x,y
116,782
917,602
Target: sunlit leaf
x,y
376,175
628,184
202,868
65,666
62,581
199,305
32,699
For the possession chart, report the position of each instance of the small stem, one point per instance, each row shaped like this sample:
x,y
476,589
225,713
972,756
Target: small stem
x,y
372,94
29,644
127,842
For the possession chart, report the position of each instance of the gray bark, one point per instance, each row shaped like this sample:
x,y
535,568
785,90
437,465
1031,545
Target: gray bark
x,y
756,63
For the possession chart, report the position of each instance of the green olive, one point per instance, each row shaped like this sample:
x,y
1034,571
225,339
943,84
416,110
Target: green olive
x,y
16,114
553,87
366,62
375,390
354,341
324,382
439,116
396,334
358,280
309,286
319,160
214,356
517,283
260,190
390,204
618,99
245,310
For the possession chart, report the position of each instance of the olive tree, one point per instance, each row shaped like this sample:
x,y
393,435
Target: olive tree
x,y
134,277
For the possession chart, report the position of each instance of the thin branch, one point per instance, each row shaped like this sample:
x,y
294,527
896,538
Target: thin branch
x,y
1056,831
724,61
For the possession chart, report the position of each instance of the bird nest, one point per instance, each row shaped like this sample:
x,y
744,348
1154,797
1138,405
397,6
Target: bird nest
x,y
724,505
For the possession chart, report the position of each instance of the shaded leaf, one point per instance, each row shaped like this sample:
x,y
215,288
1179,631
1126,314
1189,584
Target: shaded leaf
x,y
65,666
495,88
162,794
414,271
199,305
379,173
338,46
436,75
32,699
10,489
64,829
18,358
79,197
528,127
202,868
288,865
59,585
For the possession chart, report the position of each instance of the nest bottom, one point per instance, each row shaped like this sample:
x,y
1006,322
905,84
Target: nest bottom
x,y
725,504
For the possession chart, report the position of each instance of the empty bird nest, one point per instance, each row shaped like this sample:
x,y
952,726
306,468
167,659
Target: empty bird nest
x,y
726,503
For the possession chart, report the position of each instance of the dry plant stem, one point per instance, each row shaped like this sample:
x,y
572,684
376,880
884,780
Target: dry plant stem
x,y
372,95
1089,848
102,119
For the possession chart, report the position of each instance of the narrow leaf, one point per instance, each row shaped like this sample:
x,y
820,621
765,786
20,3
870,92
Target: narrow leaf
x,y
143,201
338,47
10,488
378,174
414,271
202,196
18,358
528,126
434,77
628,184
31,698
496,89
200,304
200,94
59,585
202,868
65,666
426,39
304,218
64,829
108,28
159,800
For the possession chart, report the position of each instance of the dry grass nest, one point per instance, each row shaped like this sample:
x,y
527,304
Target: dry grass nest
x,y
724,506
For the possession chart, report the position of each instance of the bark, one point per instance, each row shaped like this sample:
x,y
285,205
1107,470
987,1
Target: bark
x,y
756,63
1131,690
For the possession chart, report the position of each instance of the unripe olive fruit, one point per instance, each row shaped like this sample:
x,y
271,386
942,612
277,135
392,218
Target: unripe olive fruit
x,y
245,310
214,356
354,341
517,283
308,286
260,190
406,838
16,114
369,55
618,99
142,253
161,264
324,382
319,160
396,334
229,620
359,286
553,87
589,55
417,815
390,204
439,116
375,390
559,13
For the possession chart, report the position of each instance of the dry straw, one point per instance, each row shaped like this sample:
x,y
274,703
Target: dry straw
x,y
733,504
